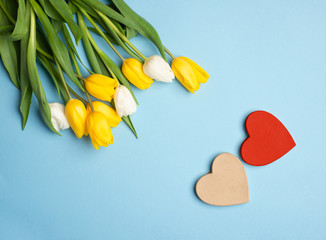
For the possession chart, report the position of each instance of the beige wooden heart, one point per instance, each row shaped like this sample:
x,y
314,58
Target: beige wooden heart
x,y
226,185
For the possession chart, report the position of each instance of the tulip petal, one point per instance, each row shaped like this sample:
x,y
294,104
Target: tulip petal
x,y
100,92
99,129
157,68
133,70
204,75
58,117
185,74
76,115
101,87
124,102
109,112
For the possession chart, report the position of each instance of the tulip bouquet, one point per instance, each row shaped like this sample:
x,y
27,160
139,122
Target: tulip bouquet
x,y
43,33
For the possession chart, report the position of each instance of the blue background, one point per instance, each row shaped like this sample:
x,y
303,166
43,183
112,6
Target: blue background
x,y
261,55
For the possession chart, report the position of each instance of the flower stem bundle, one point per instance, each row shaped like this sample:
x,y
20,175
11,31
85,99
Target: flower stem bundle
x,y
44,33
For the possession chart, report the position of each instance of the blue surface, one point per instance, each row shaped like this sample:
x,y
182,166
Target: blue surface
x,y
268,55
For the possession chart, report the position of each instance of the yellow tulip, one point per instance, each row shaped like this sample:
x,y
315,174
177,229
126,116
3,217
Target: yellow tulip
x,y
133,71
99,129
101,87
109,112
76,115
189,73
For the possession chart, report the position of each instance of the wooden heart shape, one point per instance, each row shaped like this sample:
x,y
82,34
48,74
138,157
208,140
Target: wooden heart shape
x,y
268,139
227,183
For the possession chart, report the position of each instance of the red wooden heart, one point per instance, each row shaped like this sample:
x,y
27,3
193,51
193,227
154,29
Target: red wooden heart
x,y
268,139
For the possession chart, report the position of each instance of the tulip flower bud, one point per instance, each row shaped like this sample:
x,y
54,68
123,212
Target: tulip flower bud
x,y
189,73
157,68
124,102
101,87
133,71
58,117
99,130
109,112
76,115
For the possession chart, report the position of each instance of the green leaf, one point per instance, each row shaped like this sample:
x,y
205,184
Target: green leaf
x,y
101,67
130,33
10,9
9,55
10,59
41,39
50,10
147,30
117,39
92,59
21,27
86,7
128,121
106,34
64,10
71,46
68,40
72,7
95,4
129,19
25,86
5,30
51,71
58,48
54,74
34,77
104,70
57,26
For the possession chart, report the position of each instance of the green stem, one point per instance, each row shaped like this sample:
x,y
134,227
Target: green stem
x,y
90,101
6,28
79,77
98,50
168,52
74,61
112,73
44,53
11,19
121,35
77,96
78,74
62,77
101,33
115,36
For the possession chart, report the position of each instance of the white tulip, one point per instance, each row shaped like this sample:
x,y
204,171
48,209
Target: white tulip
x,y
157,68
124,102
58,117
